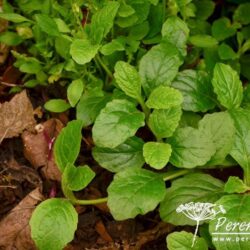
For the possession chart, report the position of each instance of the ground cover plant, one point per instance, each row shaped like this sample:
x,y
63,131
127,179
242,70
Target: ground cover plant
x,y
156,95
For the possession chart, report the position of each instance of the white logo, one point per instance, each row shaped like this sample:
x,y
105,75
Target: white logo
x,y
199,211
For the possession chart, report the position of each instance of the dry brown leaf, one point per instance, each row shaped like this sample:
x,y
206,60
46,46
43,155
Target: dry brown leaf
x,y
38,147
16,116
15,229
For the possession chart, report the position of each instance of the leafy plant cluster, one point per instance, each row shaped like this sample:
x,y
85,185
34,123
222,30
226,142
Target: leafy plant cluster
x,y
128,65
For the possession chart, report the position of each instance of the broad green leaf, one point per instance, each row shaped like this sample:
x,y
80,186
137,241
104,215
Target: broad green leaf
x,y
157,154
203,41
139,31
47,24
74,92
77,178
204,9
164,97
176,31
183,241
133,192
220,128
62,46
163,122
118,121
189,119
68,143
241,147
113,46
125,10
234,221
235,185
128,79
27,64
159,66
53,224
190,148
226,52
195,187
227,86
13,17
56,105
102,21
154,2
89,107
124,156
62,26
196,89
222,29
82,51
241,14
10,38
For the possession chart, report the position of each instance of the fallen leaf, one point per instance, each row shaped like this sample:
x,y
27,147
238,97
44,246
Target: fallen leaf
x,y
16,116
11,75
38,147
15,229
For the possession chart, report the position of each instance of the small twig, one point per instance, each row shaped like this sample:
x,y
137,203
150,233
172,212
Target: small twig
x,y
8,186
9,84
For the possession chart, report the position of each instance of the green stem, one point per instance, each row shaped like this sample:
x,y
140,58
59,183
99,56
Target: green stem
x,y
104,66
145,109
164,10
247,177
170,176
70,196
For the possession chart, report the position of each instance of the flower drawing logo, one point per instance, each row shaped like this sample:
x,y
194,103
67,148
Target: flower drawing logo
x,y
199,211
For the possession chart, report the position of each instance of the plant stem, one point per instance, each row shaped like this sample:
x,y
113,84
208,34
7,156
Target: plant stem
x,y
247,177
196,231
71,197
145,109
177,173
104,66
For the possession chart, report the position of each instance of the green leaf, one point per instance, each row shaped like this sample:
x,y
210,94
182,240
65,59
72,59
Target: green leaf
x,y
235,185
13,17
26,64
128,79
154,2
203,41
56,105
118,121
77,178
235,221
139,31
222,29
195,187
102,21
241,147
227,86
157,154
204,9
68,143
163,122
220,128
133,192
190,148
89,108
176,31
241,14
189,119
226,52
125,10
53,224
164,97
124,156
82,51
183,241
62,26
159,66
10,38
47,24
74,92
196,89
113,46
